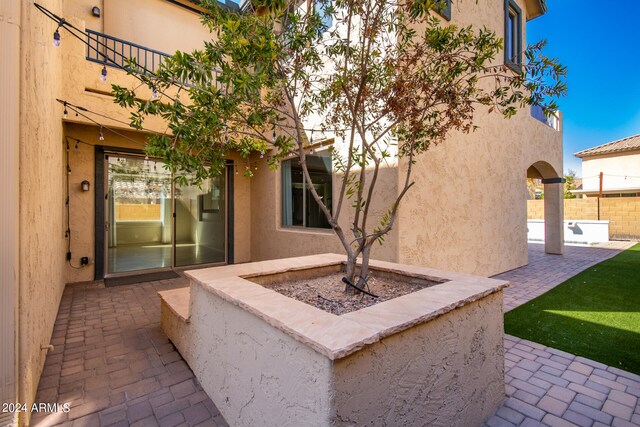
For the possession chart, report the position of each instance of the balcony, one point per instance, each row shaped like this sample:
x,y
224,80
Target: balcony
x,y
553,121
114,52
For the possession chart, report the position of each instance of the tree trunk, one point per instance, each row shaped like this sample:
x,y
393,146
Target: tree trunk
x,y
363,273
350,274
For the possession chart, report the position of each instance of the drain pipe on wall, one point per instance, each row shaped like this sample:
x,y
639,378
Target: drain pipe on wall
x,y
9,188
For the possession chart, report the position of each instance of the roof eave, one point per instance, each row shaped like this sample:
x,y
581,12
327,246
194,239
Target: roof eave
x,y
582,155
535,8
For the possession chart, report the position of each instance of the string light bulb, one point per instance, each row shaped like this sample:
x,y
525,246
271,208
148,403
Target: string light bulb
x,y
56,38
154,94
103,74
65,113
274,136
101,136
76,145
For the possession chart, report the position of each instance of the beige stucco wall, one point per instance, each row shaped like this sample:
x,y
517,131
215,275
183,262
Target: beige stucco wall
x,y
10,66
270,240
157,24
41,222
620,171
82,204
461,354
467,211
253,371
85,89
83,86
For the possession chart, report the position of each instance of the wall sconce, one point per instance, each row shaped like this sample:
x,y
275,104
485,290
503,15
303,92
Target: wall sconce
x,y
85,185
95,11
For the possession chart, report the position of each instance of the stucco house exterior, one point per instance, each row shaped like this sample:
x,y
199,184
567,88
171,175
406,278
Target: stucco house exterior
x,y
613,168
81,201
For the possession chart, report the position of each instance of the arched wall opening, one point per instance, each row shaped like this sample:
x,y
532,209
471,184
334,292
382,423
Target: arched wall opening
x,y
553,190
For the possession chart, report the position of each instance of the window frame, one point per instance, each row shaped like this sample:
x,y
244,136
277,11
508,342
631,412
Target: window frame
x,y
321,10
512,6
445,11
305,197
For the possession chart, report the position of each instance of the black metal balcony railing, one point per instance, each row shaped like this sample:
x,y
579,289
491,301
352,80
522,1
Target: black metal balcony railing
x,y
114,52
553,121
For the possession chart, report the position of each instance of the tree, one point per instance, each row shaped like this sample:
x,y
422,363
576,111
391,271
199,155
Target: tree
x,y
386,77
569,184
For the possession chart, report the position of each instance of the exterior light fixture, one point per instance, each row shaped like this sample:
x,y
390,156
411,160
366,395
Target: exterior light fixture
x,y
86,185
95,11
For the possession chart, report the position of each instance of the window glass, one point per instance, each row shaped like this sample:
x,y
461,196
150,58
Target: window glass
x,y
509,38
299,208
321,9
443,7
513,35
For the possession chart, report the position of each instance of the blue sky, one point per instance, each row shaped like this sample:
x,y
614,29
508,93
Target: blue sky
x,y
599,43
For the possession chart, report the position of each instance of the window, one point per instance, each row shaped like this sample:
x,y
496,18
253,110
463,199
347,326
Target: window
x,y
513,35
443,7
321,9
299,208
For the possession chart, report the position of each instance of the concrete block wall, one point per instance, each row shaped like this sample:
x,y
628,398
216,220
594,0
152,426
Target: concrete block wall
x,y
622,212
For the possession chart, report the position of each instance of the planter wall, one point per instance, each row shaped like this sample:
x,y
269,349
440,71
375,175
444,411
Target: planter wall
x,y
433,357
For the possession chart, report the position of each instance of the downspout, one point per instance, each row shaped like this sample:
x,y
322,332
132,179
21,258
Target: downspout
x,y
9,188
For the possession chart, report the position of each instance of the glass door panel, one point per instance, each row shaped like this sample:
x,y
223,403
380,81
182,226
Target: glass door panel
x,y
200,223
139,232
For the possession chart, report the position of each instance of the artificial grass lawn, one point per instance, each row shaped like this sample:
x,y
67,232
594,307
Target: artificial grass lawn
x,y
595,314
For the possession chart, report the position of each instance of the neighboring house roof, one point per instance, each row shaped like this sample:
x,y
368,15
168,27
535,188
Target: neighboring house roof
x,y
626,144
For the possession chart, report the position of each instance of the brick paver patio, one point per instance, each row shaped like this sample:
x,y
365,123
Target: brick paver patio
x,y
114,365
546,386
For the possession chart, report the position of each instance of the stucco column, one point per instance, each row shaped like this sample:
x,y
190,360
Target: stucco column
x,y
553,215
9,158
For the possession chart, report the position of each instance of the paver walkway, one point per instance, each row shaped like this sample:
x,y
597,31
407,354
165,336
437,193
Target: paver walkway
x,y
545,271
114,365
546,386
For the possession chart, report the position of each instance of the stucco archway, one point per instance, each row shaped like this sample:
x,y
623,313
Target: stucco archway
x,y
553,205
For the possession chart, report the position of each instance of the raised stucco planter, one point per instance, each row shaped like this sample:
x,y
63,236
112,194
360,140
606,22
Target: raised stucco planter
x,y
433,357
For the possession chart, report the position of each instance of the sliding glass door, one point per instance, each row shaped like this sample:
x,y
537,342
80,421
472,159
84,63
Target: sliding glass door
x,y
200,223
153,224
